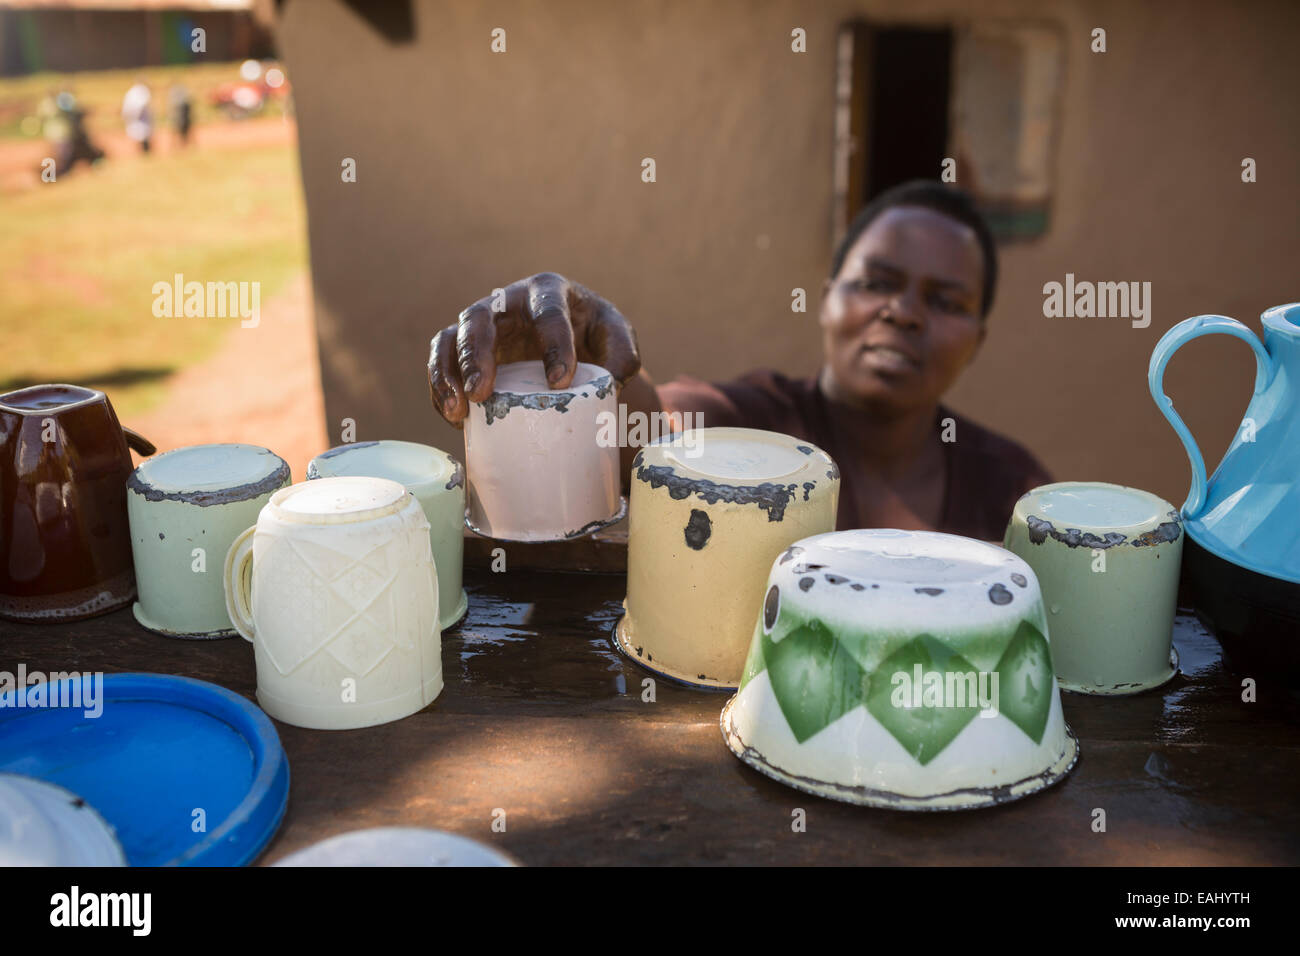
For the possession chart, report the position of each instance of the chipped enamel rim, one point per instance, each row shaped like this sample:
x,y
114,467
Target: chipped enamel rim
x,y
1126,688
444,472
141,483
618,639
1131,534
547,536
75,604
502,400
149,625
973,798
659,467
44,808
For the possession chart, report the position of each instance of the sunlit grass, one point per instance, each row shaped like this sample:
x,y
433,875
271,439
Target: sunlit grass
x,y
79,258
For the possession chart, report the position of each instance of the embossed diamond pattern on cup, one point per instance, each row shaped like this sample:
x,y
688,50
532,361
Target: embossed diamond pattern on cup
x,y
348,602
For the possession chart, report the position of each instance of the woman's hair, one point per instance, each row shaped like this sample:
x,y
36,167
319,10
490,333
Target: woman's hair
x,y
927,194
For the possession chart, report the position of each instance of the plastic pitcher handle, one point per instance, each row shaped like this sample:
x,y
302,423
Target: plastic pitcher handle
x,y
239,584
1170,342
138,443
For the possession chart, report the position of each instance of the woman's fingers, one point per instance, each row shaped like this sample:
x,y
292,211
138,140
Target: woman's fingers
x,y
544,316
612,341
444,377
475,341
548,306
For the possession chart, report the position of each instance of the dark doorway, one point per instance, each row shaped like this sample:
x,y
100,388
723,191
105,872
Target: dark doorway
x,y
907,114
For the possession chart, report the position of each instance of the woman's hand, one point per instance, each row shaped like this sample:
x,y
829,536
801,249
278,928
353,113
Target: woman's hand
x,y
543,317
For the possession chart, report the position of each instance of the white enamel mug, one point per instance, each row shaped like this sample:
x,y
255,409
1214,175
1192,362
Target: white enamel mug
x,y
336,589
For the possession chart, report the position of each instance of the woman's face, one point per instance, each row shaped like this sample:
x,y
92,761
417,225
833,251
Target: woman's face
x,y
902,319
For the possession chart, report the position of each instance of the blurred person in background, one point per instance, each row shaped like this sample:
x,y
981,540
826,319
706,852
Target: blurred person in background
x,y
137,114
181,105
63,124
57,130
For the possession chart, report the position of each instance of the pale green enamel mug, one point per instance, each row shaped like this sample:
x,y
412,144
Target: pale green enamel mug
x,y
186,507
1107,559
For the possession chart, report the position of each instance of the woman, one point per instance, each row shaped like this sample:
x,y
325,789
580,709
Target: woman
x,y
902,315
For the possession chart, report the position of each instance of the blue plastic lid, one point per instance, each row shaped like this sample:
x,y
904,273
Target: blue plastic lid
x,y
186,772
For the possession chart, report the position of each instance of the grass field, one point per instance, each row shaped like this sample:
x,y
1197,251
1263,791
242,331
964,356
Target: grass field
x,y
78,260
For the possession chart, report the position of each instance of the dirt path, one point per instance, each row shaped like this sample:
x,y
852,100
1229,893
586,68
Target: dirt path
x,y
262,387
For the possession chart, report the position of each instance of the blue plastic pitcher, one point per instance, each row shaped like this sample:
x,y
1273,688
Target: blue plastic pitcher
x,y
1248,512
1241,559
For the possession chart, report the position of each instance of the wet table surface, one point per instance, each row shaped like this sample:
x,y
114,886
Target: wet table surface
x,y
542,719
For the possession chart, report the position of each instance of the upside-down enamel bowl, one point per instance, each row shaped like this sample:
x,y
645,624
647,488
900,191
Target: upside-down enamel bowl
x,y
901,669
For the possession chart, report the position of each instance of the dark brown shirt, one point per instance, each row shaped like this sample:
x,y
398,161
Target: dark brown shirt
x,y
985,473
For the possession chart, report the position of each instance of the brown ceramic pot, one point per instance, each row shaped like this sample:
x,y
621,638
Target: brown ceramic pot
x,y
64,461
